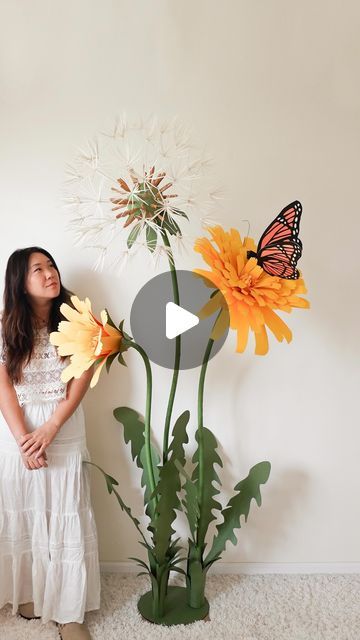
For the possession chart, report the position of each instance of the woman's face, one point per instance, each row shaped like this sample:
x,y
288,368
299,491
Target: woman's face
x,y
42,281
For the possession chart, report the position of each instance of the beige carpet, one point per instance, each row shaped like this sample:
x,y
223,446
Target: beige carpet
x,y
271,607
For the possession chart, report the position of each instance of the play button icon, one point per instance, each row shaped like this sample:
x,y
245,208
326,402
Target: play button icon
x,y
162,326
178,320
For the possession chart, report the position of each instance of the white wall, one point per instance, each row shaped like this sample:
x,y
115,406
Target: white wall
x,y
272,89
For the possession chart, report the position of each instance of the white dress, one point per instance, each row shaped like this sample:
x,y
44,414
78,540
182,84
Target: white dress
x,y
48,536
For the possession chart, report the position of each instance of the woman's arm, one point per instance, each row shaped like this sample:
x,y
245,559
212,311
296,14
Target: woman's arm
x,y
44,435
10,407
14,417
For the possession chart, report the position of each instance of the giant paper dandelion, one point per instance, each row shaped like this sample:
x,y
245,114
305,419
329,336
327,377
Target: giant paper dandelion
x,y
133,186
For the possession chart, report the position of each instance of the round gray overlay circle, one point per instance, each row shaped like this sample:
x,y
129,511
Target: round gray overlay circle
x,y
148,320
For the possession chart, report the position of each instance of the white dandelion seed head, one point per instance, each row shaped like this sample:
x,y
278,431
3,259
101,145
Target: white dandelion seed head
x,y
142,172
99,262
182,243
209,221
161,251
118,264
217,194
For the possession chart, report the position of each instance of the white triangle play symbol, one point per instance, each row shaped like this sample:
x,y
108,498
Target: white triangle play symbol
x,y
178,320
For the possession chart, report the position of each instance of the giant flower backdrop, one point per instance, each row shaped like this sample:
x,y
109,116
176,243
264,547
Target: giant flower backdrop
x,y
124,196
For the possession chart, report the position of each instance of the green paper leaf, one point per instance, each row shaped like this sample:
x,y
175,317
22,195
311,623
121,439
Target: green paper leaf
x,y
110,321
167,489
134,432
151,238
126,336
121,360
110,482
109,361
140,562
178,569
239,505
206,501
190,501
170,225
133,234
179,213
134,427
174,549
145,479
179,438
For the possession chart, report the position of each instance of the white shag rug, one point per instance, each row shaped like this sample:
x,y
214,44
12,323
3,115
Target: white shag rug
x,y
260,607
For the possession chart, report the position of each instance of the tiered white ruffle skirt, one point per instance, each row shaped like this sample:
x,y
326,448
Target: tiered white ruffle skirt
x,y
48,536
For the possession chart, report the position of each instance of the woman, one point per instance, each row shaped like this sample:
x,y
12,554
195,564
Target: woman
x,y
49,565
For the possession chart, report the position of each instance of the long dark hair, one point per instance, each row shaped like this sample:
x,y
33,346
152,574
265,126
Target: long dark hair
x,y
18,330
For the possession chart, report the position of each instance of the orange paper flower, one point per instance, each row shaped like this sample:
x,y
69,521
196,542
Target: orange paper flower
x,y
252,295
85,339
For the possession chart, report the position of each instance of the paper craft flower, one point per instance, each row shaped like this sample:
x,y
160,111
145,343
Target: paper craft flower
x,y
85,339
251,294
142,177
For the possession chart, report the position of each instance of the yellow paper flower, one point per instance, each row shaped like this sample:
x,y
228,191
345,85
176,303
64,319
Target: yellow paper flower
x,y
85,339
251,294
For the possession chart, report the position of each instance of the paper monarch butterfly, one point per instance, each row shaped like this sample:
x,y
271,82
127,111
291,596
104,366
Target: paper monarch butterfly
x,y
279,247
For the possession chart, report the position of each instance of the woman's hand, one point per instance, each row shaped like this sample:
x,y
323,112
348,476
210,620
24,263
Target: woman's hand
x,y
31,462
38,440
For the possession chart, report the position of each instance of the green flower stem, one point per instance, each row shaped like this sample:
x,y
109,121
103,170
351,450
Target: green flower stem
x,y
147,434
177,351
200,429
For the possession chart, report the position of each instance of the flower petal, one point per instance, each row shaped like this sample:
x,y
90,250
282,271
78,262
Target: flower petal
x,y
261,342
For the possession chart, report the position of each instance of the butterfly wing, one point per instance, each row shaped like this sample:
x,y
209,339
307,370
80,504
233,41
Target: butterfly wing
x,y
279,247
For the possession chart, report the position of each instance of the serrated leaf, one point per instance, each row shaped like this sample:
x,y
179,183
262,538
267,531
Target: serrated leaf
x,y
127,510
110,481
134,428
239,505
134,432
167,489
145,479
179,437
206,502
168,501
190,501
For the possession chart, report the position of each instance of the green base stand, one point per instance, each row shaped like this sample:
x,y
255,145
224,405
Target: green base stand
x,y
176,609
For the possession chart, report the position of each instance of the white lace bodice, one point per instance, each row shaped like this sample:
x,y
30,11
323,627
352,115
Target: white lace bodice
x,y
41,376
